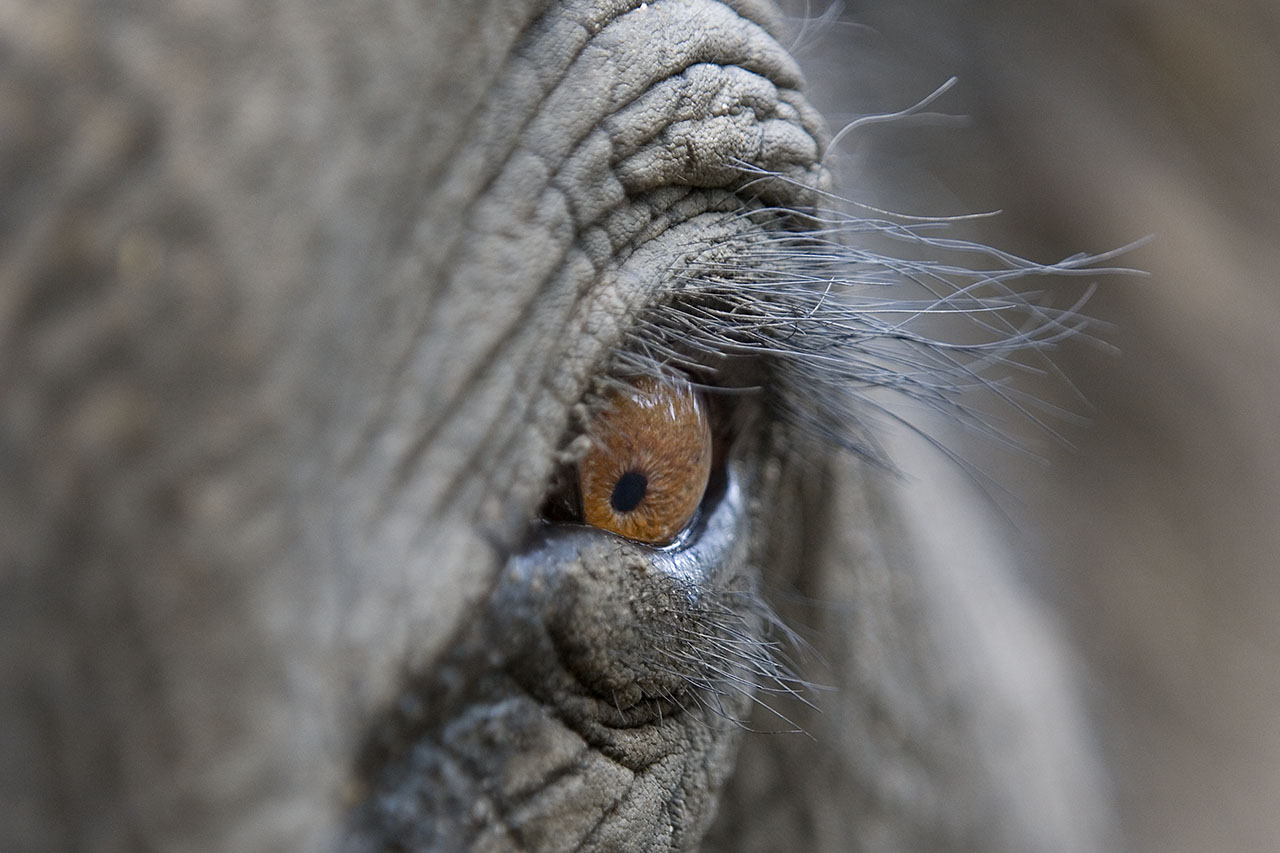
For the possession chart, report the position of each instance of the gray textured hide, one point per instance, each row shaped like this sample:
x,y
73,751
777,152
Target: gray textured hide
x,y
296,304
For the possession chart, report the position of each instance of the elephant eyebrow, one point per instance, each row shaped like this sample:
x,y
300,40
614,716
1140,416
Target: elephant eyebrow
x,y
858,315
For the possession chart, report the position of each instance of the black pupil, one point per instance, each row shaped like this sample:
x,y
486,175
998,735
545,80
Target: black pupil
x,y
629,491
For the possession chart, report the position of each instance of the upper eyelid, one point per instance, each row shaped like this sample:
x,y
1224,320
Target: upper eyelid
x,y
558,245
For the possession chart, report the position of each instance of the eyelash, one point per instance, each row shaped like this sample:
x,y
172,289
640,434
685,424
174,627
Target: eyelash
x,y
826,334
795,313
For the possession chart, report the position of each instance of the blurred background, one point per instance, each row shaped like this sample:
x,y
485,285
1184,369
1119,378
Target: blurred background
x,y
1154,529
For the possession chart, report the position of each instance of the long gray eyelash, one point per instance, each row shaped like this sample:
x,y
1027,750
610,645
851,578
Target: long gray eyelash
x,y
843,328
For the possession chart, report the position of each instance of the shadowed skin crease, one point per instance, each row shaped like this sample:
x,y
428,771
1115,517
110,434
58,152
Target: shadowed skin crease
x,y
302,312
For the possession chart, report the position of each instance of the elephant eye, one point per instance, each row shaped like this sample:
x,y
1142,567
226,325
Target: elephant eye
x,y
649,461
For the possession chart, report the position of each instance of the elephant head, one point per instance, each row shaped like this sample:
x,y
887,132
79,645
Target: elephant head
x,y
307,315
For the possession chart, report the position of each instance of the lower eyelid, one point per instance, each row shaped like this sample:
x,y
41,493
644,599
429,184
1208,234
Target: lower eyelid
x,y
709,540
618,643
614,607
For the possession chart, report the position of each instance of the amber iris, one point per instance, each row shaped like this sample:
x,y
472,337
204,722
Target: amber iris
x,y
649,461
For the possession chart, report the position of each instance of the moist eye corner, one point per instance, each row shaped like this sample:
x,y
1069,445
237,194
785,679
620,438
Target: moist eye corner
x,y
563,503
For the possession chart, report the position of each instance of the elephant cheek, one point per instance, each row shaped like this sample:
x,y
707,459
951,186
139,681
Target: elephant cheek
x,y
590,705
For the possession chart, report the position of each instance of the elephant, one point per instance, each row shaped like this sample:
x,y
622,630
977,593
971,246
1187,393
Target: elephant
x,y
307,315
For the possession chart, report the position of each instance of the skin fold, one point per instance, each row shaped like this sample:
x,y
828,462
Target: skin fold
x,y
301,307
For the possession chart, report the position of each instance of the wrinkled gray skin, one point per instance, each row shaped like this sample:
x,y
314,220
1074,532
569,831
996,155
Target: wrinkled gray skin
x,y
296,305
